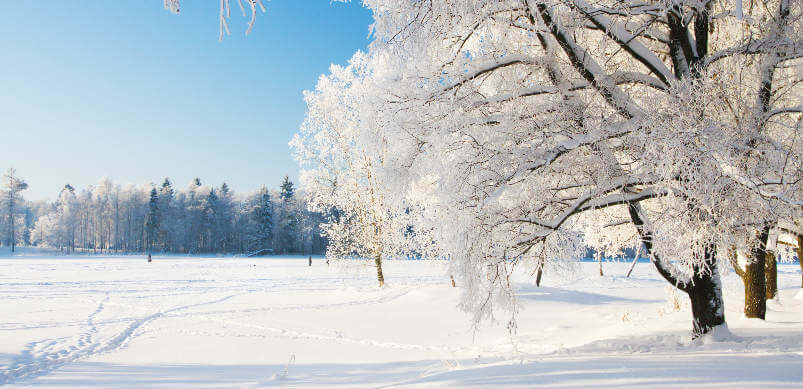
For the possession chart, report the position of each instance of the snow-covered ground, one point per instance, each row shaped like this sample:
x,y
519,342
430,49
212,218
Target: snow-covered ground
x,y
111,322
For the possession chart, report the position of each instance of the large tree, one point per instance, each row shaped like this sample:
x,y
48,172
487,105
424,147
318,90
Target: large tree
x,y
539,127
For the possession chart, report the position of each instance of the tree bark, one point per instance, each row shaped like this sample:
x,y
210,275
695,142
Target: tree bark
x,y
704,289
539,272
705,293
755,292
633,265
771,275
755,289
800,257
379,275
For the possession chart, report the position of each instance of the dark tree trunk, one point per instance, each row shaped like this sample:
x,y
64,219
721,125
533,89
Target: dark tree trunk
x,y
707,307
771,275
755,292
705,288
755,289
800,257
379,275
539,272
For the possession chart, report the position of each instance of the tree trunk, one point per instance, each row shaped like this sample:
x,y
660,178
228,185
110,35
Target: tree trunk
x,y
755,292
705,288
539,271
800,257
707,307
755,289
379,275
633,265
771,275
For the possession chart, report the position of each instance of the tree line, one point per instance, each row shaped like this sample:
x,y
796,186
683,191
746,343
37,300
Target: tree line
x,y
112,218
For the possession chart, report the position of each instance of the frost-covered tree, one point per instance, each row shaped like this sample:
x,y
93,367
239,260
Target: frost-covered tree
x,y
210,230
262,218
153,220
225,219
67,219
344,158
12,185
167,209
286,220
537,128
140,218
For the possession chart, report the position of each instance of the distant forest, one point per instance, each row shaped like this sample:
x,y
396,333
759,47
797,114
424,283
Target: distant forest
x,y
113,218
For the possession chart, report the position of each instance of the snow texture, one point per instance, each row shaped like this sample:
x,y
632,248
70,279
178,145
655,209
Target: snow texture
x,y
275,322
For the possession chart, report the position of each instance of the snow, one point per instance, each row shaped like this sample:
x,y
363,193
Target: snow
x,y
117,321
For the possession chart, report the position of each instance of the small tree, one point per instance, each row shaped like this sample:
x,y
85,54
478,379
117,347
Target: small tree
x,y
344,155
152,221
13,186
262,217
286,189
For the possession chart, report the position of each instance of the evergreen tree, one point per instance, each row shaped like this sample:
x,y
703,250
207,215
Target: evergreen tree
x,y
166,199
262,215
225,218
287,190
286,236
210,221
152,223
194,218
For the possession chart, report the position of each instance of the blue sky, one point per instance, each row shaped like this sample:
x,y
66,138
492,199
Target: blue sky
x,y
130,91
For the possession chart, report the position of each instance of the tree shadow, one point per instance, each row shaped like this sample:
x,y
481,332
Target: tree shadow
x,y
533,293
678,369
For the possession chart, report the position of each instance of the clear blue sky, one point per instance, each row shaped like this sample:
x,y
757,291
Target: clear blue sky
x,y
128,90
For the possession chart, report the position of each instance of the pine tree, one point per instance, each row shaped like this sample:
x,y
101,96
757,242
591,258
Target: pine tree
x,y
166,206
262,215
287,235
152,223
287,190
225,218
194,218
210,221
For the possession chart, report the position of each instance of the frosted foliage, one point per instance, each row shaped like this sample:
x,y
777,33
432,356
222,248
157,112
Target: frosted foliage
x,y
347,168
173,6
519,133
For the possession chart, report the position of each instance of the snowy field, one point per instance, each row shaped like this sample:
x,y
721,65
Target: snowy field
x,y
112,322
